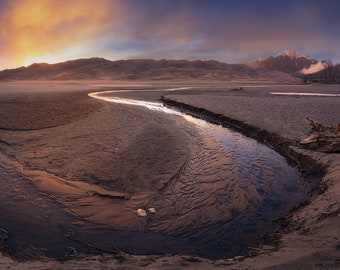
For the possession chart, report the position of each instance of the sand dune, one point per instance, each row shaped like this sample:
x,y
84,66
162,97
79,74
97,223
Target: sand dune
x,y
144,69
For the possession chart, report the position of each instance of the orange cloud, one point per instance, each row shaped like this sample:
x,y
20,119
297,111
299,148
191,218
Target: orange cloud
x,y
31,28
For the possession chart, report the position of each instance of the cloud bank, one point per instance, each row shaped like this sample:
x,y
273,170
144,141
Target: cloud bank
x,y
231,31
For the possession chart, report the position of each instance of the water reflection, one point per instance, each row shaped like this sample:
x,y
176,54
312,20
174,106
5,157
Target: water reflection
x,y
155,106
216,206
226,194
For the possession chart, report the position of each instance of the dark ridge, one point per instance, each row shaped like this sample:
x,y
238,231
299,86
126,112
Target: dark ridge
x,y
288,61
286,64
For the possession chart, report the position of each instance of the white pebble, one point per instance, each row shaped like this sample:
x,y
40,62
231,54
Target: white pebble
x,y
152,210
141,212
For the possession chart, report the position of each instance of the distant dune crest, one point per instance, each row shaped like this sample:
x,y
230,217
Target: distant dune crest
x,y
284,67
143,69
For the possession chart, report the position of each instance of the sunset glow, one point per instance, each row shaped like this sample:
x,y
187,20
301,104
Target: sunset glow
x,y
231,31
50,31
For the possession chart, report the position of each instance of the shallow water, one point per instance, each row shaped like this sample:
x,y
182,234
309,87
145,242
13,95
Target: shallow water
x,y
219,203
226,194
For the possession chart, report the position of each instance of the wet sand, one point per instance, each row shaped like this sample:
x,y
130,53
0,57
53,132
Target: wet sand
x,y
95,165
67,145
310,239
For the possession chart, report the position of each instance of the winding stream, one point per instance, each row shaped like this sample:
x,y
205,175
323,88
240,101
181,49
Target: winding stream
x,y
226,194
218,204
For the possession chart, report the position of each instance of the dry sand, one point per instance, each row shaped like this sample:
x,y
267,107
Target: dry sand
x,y
82,136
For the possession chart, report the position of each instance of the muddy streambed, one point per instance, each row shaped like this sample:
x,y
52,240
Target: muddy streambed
x,y
221,201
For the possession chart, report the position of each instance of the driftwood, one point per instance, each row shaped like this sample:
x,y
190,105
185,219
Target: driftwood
x,y
322,138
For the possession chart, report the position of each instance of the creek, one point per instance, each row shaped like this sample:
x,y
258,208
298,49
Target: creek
x,y
222,200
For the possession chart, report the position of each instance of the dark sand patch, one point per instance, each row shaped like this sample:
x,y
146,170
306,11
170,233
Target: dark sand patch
x,y
29,110
91,140
98,161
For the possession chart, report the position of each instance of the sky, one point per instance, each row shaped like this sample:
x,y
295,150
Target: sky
x,y
232,31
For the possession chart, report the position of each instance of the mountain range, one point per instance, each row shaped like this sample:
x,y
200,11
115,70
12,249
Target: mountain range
x,y
283,67
290,62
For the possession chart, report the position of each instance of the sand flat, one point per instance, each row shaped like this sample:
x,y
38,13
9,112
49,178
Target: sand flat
x,y
284,115
317,223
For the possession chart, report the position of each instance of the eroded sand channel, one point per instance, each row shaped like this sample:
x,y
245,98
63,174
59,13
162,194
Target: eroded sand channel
x,y
223,196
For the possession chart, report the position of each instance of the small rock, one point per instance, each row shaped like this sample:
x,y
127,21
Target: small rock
x,y
141,213
152,210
